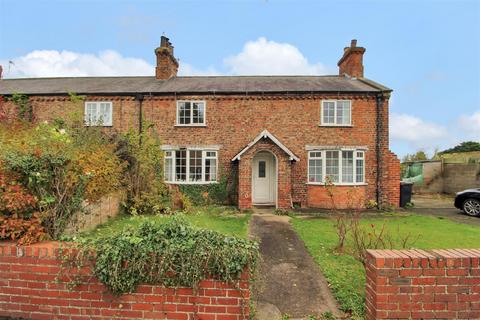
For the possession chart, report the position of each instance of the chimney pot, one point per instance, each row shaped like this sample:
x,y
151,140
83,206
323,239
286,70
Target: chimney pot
x,y
1,71
353,44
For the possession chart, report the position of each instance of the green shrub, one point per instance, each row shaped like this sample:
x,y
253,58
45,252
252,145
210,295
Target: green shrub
x,y
174,254
60,166
146,191
203,194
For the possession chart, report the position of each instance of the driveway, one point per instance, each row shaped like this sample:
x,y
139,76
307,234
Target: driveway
x,y
441,206
289,281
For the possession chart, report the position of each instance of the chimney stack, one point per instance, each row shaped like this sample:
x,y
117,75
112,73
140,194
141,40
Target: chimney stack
x,y
351,63
167,65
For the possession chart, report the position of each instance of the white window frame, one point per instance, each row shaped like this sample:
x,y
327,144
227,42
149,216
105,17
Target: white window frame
x,y
98,123
191,124
334,124
172,157
356,156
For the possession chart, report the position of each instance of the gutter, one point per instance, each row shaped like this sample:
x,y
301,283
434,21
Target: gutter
x,y
379,128
201,93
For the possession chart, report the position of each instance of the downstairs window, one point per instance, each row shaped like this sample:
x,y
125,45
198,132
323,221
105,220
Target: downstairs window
x,y
190,166
341,167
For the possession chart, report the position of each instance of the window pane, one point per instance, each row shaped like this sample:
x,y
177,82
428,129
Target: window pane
x,y
347,166
184,112
332,165
329,112
343,112
181,165
315,170
168,169
360,176
261,169
198,110
316,154
210,169
195,165
104,114
91,116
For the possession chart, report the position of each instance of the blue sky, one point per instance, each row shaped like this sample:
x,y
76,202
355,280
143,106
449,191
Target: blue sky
x,y
427,51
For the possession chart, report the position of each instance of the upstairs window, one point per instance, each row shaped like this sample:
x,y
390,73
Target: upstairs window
x,y
190,166
98,113
336,113
341,167
191,113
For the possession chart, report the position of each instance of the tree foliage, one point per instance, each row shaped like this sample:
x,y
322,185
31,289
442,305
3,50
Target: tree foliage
x,y
467,146
50,170
417,156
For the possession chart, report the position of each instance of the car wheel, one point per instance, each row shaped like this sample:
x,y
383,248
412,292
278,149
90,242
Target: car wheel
x,y
472,207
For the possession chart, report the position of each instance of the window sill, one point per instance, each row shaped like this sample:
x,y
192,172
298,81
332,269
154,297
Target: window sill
x,y
191,183
338,184
190,125
336,125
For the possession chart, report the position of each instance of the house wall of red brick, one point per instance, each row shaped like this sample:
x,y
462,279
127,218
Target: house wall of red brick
x,y
234,121
418,284
32,286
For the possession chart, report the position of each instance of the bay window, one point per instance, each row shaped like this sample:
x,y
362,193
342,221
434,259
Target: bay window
x,y
190,166
342,167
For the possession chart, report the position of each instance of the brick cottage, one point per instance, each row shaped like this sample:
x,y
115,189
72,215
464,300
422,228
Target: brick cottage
x,y
276,140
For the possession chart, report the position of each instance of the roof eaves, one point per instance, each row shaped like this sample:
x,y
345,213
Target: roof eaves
x,y
375,85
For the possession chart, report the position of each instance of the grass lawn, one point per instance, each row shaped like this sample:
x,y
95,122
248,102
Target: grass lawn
x,y
347,276
222,219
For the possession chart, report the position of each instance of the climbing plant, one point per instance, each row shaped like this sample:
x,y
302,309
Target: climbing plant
x,y
24,107
173,254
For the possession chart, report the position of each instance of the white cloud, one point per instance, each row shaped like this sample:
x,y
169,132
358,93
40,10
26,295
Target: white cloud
x,y
471,124
416,132
53,63
264,57
259,57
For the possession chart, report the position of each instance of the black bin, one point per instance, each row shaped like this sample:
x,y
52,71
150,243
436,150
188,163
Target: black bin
x,y
405,193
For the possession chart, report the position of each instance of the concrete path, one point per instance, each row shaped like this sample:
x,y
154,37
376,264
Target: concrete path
x,y
289,281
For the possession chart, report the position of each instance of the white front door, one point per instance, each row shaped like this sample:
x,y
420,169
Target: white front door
x,y
263,178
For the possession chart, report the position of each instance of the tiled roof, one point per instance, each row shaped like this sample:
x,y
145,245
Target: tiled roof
x,y
200,85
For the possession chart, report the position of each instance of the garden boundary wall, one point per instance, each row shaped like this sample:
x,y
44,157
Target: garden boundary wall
x,y
419,284
32,287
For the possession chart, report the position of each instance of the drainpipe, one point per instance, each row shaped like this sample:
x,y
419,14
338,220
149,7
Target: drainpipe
x,y
139,97
379,127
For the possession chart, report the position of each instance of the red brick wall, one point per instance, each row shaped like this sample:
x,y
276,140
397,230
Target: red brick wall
x,y
234,121
418,284
344,197
29,289
392,180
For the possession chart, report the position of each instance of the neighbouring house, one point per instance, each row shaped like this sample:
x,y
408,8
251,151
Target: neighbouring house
x,y
277,140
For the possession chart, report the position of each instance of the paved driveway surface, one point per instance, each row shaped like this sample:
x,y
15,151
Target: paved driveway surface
x,y
290,281
441,206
